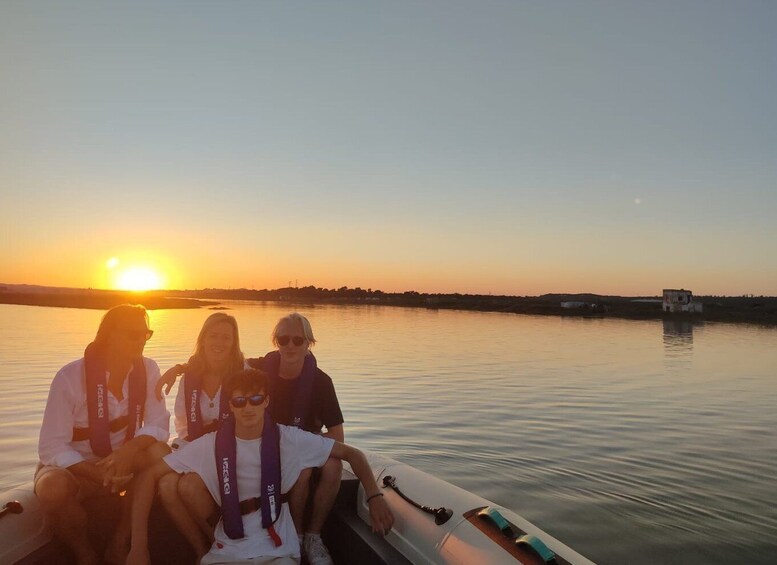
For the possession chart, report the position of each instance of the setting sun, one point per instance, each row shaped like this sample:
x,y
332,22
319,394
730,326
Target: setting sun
x,y
139,278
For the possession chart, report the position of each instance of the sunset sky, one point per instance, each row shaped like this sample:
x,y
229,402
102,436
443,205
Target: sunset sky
x,y
503,147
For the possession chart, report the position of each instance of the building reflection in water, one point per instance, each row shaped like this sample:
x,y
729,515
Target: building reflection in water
x,y
678,343
678,334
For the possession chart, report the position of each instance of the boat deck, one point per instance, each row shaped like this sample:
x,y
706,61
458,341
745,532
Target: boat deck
x,y
349,539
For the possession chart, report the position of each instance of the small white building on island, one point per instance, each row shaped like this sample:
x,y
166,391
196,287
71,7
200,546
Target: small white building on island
x,y
680,301
574,304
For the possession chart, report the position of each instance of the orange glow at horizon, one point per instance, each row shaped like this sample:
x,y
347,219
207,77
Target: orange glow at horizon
x,y
139,278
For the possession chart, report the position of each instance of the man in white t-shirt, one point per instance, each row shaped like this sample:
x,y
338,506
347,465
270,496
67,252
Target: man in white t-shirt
x,y
278,543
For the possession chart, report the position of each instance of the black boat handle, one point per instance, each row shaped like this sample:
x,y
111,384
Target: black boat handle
x,y
441,514
12,507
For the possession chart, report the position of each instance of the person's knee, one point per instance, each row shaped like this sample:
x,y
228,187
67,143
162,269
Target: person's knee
x,y
157,450
191,486
303,480
304,477
332,471
56,489
150,455
301,488
168,488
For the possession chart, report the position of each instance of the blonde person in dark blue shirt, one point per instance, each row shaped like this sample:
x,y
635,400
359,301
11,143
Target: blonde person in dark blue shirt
x,y
304,396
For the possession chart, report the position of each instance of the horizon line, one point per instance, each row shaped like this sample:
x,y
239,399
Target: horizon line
x,y
369,291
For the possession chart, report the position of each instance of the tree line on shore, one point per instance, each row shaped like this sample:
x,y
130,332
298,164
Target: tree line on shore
x,y
749,308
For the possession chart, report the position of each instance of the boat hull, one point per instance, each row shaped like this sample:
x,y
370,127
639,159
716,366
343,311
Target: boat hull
x,y
465,538
461,540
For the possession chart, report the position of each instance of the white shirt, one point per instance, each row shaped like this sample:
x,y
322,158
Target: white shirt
x,y
209,410
66,408
299,450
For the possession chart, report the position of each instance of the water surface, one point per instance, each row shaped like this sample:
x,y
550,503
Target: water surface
x,y
631,441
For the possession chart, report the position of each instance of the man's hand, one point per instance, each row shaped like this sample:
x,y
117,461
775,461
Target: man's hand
x,y
122,461
381,517
118,468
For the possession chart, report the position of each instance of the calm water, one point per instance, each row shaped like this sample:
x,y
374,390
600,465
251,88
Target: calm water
x,y
632,441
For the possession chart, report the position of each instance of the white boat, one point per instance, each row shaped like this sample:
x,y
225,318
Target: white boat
x,y
435,523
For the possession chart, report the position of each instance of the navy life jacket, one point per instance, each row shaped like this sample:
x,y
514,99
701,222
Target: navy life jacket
x,y
304,387
195,427
226,467
100,425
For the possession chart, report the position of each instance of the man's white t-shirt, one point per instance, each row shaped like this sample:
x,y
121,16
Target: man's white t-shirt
x,y
299,450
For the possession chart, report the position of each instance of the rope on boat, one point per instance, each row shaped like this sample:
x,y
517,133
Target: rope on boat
x,y
441,514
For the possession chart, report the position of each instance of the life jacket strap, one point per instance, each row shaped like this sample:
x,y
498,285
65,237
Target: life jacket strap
x,y
82,434
255,504
274,535
246,507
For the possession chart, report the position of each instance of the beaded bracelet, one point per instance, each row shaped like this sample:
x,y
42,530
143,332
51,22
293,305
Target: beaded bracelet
x,y
373,496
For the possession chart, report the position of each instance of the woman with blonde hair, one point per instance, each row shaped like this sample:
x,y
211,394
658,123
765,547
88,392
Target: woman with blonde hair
x,y
200,406
216,355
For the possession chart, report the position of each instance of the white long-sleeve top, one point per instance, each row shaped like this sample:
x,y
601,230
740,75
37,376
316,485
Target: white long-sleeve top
x,y
209,410
66,408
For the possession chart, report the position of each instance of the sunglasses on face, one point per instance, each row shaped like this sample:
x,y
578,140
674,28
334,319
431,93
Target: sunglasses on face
x,y
284,340
241,401
137,335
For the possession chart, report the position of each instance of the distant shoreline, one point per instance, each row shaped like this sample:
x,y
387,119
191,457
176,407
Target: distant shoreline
x,y
101,302
746,309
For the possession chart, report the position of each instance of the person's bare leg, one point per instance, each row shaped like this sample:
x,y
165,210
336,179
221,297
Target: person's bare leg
x,y
118,548
197,498
298,498
326,488
58,495
179,513
325,494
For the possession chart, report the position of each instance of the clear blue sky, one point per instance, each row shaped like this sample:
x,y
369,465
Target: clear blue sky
x,y
505,147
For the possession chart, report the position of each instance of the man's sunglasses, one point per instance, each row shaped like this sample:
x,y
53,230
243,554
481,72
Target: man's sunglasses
x,y
284,340
241,401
